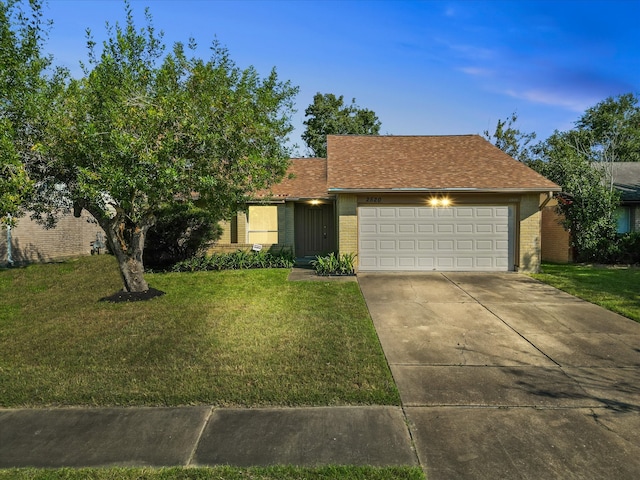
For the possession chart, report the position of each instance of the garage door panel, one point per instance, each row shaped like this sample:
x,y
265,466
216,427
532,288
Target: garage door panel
x,y
367,228
464,262
388,262
445,262
404,262
406,245
462,245
424,238
445,228
445,245
388,245
406,228
426,245
387,213
426,263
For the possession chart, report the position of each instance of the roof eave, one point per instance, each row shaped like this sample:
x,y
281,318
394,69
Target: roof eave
x,y
446,190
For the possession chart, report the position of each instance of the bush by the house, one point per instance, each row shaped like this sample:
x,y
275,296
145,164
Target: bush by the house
x,y
627,249
333,264
180,233
236,261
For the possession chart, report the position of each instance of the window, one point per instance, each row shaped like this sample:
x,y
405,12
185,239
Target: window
x,y
623,214
263,224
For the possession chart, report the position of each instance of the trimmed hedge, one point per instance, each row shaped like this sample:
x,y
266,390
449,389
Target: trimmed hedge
x,y
236,261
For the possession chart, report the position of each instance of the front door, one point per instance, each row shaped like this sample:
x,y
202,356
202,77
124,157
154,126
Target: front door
x,y
315,230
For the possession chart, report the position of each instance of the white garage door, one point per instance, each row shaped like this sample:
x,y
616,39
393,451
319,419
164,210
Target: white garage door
x,y
462,238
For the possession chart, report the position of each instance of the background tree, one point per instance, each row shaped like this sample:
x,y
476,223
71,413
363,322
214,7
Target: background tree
x,y
328,115
144,129
22,31
612,129
588,202
511,140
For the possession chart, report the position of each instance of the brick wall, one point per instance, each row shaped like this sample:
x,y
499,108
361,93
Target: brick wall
x,y
347,209
530,243
556,246
30,242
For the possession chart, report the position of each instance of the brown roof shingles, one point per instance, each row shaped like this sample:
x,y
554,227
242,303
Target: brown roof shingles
x,y
309,180
426,162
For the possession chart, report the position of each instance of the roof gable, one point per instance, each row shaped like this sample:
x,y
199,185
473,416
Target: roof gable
x,y
306,178
405,163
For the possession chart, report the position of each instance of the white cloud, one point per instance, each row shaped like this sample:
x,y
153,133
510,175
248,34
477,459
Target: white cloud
x,y
477,71
556,99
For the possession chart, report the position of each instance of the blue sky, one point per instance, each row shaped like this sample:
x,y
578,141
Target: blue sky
x,y
425,67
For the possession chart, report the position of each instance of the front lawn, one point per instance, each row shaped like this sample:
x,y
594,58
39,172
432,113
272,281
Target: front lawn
x,y
614,288
233,338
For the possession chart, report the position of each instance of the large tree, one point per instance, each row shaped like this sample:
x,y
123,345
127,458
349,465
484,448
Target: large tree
x,y
145,128
328,115
22,66
588,202
511,140
612,129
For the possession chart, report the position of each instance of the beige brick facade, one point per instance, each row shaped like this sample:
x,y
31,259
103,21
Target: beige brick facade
x,y
530,242
556,241
30,242
347,210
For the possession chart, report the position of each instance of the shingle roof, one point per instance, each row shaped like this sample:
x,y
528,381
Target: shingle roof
x,y
626,178
309,180
463,162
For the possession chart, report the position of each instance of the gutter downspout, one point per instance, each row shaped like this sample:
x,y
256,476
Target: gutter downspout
x,y
546,200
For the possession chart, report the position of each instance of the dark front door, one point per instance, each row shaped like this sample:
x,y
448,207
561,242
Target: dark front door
x,y
315,230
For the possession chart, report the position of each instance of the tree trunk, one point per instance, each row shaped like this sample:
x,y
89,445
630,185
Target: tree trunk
x,y
132,272
126,241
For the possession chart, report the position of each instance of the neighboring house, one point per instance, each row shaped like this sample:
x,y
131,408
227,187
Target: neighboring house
x,y
31,242
556,245
626,178
404,203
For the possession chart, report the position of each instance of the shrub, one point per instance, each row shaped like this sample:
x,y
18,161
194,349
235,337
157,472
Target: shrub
x,y
628,248
238,260
334,264
180,233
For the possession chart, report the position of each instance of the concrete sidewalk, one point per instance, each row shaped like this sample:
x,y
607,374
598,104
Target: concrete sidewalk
x,y
199,436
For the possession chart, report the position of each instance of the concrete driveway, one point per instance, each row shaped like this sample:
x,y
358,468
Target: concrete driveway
x,y
502,376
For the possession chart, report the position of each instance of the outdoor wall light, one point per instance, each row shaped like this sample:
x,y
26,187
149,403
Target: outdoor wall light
x,y
315,202
440,202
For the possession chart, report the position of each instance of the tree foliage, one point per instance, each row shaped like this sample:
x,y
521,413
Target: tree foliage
x,y
612,129
328,115
581,161
22,32
511,140
144,129
181,232
588,202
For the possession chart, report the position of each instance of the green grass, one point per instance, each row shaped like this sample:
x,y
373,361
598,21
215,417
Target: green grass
x,y
234,338
218,473
614,288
